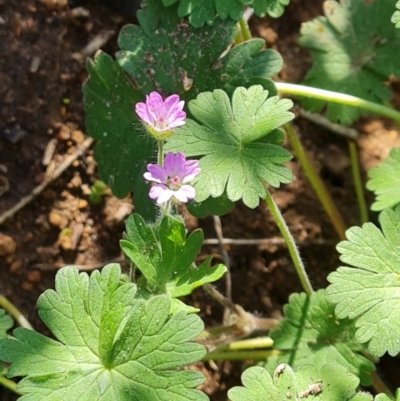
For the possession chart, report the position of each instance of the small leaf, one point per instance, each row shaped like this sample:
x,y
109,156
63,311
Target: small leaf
x,y
370,290
167,55
166,259
236,159
111,345
384,180
396,16
331,382
6,322
354,50
205,11
311,334
122,150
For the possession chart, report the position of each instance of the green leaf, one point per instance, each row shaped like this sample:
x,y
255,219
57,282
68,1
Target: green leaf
x,y
396,16
330,382
122,150
311,334
217,206
166,54
384,180
205,11
228,136
354,50
370,290
166,258
111,345
6,322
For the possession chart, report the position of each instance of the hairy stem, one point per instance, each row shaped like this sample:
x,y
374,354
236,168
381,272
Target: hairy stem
x,y
15,313
336,97
358,185
316,182
160,160
286,234
9,384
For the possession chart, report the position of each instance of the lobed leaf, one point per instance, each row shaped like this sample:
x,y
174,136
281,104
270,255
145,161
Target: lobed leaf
x,y
396,16
354,50
232,140
166,258
330,382
122,150
311,334
167,55
369,291
204,12
110,345
384,180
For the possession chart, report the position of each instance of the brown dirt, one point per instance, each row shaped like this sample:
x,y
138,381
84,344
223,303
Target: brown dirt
x,y
62,227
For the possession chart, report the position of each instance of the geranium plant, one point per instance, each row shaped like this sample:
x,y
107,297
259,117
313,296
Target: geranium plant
x,y
187,115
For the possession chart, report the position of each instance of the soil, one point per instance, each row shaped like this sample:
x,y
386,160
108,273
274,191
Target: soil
x,y
41,75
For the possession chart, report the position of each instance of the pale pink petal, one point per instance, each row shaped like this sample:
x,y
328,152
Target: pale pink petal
x,y
171,103
184,193
164,196
157,190
156,173
172,163
141,111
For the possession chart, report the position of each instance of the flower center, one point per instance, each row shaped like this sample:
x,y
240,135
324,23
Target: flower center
x,y
174,182
161,122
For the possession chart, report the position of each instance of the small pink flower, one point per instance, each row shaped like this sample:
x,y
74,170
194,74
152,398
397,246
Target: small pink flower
x,y
160,116
172,179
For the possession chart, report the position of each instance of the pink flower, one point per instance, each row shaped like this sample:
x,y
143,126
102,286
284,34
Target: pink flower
x,y
172,179
160,116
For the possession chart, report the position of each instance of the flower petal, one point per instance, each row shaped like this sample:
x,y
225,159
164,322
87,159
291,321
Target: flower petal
x,y
156,173
184,193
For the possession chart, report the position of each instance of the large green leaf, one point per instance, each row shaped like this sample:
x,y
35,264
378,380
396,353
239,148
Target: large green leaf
x,y
311,334
229,138
165,256
123,149
384,180
330,382
111,345
370,290
201,12
355,50
166,54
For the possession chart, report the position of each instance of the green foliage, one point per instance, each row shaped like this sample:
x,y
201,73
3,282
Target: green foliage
x,y
232,138
396,16
369,291
122,151
205,11
111,345
217,206
165,257
311,334
6,322
355,50
330,382
168,55
384,180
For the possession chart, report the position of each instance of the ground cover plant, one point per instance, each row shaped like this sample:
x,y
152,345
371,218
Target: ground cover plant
x,y
188,113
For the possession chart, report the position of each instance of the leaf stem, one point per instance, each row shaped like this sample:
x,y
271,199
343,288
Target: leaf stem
x,y
15,313
240,355
336,97
316,182
293,250
251,343
244,27
9,384
160,144
358,185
